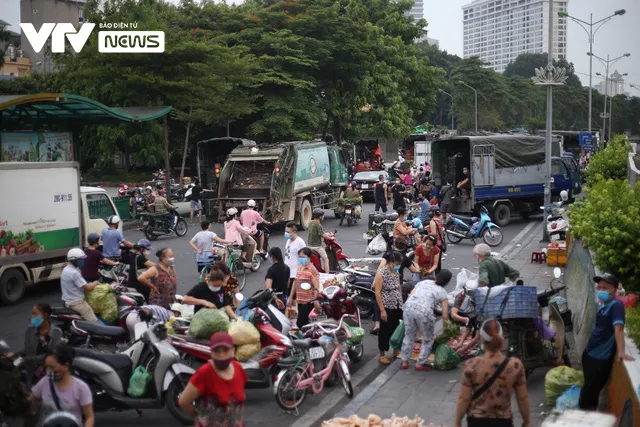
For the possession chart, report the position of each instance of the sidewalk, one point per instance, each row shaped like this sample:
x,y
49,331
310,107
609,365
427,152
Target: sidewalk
x,y
433,395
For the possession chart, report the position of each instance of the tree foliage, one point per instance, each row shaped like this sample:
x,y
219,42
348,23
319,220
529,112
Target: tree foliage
x,y
610,163
607,222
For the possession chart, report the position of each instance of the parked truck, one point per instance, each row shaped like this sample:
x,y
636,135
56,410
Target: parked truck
x,y
43,214
506,173
287,180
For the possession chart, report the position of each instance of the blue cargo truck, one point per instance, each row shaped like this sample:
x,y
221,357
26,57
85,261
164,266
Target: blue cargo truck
x,y
506,173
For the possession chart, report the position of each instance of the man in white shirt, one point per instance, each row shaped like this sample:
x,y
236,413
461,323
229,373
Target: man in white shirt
x,y
74,286
291,248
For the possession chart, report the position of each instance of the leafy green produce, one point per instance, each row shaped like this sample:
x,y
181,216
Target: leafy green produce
x,y
445,358
451,331
610,163
208,321
558,380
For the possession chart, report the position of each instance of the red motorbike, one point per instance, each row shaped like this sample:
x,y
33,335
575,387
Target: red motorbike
x,y
123,190
337,259
262,368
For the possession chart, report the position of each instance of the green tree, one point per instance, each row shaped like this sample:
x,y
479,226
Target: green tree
x,y
610,163
526,63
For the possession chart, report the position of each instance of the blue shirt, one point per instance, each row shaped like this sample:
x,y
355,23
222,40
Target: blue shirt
x,y
435,192
424,212
111,238
602,344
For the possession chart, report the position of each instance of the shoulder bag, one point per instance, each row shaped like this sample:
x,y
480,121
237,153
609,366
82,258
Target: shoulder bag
x,y
479,392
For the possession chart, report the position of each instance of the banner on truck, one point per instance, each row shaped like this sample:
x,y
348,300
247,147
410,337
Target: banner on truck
x,y
312,169
56,147
19,146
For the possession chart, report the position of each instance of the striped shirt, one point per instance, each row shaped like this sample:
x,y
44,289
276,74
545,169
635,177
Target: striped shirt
x,y
305,275
160,314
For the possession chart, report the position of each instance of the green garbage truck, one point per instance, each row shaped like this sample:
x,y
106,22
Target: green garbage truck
x,y
287,180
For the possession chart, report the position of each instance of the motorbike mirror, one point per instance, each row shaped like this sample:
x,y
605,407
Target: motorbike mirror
x,y
305,286
239,296
557,273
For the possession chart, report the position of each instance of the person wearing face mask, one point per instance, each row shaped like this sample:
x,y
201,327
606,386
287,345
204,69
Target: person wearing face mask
x,y
61,391
427,256
388,290
400,228
605,344
74,286
41,336
488,382
162,279
492,271
464,187
138,264
277,278
217,387
305,298
398,191
211,293
94,259
291,248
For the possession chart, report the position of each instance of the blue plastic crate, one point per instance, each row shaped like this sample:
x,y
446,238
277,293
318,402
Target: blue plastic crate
x,y
522,303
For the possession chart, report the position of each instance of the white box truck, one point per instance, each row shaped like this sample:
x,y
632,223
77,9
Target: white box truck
x,y
43,214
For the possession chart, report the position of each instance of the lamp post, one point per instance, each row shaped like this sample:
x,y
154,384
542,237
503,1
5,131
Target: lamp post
x,y
450,96
475,92
607,63
591,33
611,109
636,87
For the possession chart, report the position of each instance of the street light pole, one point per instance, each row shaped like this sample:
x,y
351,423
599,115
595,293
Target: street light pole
x,y
591,33
475,92
548,136
450,96
611,107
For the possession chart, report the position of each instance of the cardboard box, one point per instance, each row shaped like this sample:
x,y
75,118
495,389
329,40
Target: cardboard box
x,y
557,256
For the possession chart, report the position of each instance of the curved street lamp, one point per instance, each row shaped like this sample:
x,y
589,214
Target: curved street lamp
x,y
476,96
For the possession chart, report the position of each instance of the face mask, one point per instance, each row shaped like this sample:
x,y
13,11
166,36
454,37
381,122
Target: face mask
x,y
55,376
222,364
80,263
146,252
287,235
465,173
170,261
37,321
396,268
214,288
603,296
303,261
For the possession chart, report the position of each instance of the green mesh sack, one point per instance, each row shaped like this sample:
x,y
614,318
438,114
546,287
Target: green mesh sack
x,y
357,334
446,358
208,321
104,303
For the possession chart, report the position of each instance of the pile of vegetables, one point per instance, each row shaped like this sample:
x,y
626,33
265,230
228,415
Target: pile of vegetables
x,y
18,244
376,421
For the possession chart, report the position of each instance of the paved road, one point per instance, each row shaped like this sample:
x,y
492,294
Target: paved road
x,y
261,406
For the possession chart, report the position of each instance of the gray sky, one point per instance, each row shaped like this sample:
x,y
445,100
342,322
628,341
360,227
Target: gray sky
x,y
616,37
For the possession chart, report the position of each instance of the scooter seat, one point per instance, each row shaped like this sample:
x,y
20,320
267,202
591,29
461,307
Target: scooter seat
x,y
120,363
64,311
304,344
467,219
98,329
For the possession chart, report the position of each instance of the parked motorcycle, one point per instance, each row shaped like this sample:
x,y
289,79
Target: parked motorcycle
x,y
123,190
337,259
108,377
557,224
179,192
360,287
541,341
461,227
137,205
155,225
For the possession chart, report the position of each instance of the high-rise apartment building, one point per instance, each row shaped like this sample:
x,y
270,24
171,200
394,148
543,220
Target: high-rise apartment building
x,y
613,86
417,11
497,31
38,12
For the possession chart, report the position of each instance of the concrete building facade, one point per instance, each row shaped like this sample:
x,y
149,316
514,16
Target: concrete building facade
x,y
614,86
417,11
497,31
38,12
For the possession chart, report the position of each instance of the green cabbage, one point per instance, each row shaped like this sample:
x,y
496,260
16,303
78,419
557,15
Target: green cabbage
x,y
558,380
208,321
104,303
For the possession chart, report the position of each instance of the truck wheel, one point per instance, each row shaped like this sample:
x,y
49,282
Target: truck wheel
x,y
12,286
305,214
501,215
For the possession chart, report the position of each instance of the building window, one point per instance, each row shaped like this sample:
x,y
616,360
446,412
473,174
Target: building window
x,y
80,15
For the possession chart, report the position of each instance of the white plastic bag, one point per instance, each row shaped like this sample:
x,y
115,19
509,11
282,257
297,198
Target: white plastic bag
x,y
463,277
377,246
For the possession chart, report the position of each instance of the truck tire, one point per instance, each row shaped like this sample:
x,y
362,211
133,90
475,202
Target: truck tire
x,y
305,214
12,286
501,215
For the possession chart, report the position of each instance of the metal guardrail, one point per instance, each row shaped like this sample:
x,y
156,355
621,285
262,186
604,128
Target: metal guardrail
x,y
102,208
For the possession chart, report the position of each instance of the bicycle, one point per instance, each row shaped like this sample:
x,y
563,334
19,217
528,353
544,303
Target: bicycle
x,y
298,375
234,262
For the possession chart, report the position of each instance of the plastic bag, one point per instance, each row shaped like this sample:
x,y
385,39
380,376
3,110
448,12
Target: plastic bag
x,y
103,302
139,382
243,333
247,351
446,358
558,380
569,399
463,277
377,246
398,336
356,335
208,321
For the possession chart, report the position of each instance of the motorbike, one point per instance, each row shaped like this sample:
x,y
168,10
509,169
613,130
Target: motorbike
x,y
461,227
108,375
123,190
350,214
155,225
137,205
275,343
541,341
266,232
337,259
557,224
179,192
360,288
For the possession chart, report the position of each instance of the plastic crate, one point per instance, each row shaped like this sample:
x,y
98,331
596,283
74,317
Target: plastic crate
x,y
557,256
522,303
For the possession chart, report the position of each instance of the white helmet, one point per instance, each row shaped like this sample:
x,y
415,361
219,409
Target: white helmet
x,y
113,219
251,203
148,188
564,196
232,211
75,254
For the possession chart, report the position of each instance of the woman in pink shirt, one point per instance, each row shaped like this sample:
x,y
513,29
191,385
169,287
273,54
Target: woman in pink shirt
x,y
250,218
236,233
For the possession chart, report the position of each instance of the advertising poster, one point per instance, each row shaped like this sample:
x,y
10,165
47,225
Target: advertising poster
x,y
312,168
56,147
19,146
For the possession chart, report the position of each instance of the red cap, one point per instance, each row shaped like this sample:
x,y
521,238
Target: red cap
x,y
221,339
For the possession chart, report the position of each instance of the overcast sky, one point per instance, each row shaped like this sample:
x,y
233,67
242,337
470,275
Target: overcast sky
x,y
620,35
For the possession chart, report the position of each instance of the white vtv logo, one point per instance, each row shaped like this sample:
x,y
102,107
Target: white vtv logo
x,y
58,32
